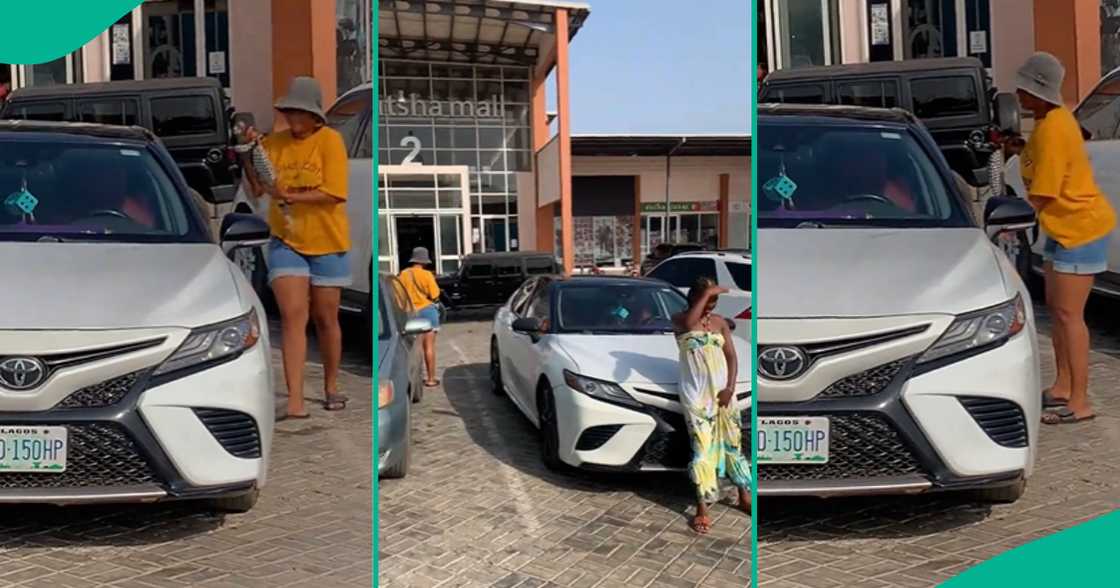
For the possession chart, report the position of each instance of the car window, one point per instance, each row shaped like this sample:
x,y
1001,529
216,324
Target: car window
x,y
539,305
109,112
183,115
90,191
347,117
480,270
1100,112
683,272
800,94
521,297
49,111
509,268
402,304
944,96
740,274
851,174
630,308
540,265
875,93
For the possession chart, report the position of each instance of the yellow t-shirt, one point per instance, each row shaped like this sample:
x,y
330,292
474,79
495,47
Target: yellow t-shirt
x,y
317,162
1056,169
421,287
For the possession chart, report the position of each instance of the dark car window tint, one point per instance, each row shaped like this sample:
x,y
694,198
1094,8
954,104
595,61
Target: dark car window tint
x,y
539,307
684,272
806,94
50,111
521,297
741,275
539,265
1100,112
941,97
186,115
108,112
402,305
509,268
480,270
346,117
876,94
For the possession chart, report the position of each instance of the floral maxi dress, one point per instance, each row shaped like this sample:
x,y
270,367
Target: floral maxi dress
x,y
715,431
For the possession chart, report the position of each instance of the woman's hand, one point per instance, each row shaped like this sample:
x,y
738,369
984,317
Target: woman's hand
x,y
717,290
725,396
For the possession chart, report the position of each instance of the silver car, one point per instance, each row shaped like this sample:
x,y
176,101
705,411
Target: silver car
x,y
399,383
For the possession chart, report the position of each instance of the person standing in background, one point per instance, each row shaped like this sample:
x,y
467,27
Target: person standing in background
x,y
423,292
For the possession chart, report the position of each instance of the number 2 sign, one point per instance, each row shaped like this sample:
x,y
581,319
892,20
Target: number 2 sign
x,y
414,144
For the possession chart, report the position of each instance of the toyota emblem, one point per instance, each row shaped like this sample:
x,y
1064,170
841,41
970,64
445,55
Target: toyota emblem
x,y
22,373
782,363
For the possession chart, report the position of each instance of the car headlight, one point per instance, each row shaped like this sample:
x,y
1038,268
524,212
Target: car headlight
x,y
979,329
599,389
384,394
214,343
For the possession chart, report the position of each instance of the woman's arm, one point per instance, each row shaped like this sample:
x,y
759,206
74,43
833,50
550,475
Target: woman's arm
x,y
692,316
732,357
310,197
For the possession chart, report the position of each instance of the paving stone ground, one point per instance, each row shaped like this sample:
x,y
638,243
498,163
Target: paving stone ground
x,y
923,541
479,508
311,527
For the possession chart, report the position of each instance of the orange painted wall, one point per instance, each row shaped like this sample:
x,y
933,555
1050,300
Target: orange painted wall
x,y
1070,29
304,44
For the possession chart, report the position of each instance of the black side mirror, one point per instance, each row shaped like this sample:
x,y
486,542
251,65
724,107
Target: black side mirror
x,y
243,230
528,326
1007,114
1003,214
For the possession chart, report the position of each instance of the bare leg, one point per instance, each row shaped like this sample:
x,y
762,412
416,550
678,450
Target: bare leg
x,y
324,311
292,296
1071,293
1063,384
429,343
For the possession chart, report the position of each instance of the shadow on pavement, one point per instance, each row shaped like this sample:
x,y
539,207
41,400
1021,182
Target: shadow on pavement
x,y
357,354
46,527
518,445
876,517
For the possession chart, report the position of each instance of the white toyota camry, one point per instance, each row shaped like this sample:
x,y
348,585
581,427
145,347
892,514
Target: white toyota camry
x,y
133,362
592,361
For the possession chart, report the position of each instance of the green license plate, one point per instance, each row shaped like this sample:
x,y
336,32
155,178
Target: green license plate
x,y
32,449
797,440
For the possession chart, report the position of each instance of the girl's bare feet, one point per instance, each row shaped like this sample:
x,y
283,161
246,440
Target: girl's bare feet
x,y
745,501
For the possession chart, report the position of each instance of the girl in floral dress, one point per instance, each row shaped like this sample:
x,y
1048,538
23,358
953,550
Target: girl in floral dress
x,y
709,369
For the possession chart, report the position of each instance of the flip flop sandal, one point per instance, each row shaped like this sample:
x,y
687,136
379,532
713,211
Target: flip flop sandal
x,y
1049,401
433,384
335,402
294,417
700,525
1064,416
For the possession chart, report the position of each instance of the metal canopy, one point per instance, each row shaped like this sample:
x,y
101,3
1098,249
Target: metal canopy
x,y
661,145
504,32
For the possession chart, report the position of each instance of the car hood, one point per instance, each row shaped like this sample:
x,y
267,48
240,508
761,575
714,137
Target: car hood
x,y
63,286
636,359
876,272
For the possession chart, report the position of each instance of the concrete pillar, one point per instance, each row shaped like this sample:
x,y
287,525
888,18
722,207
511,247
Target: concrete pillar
x,y
724,209
539,130
304,44
1071,30
636,227
564,124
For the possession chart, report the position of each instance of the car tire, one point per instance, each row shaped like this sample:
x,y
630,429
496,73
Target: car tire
x,y
550,432
496,369
1003,494
240,504
399,468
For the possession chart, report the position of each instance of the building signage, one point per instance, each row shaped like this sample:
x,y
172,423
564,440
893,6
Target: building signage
x,y
712,206
414,106
122,45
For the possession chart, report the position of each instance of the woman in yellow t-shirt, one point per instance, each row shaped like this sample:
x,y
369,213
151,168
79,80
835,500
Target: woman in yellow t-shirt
x,y
1077,221
423,292
308,260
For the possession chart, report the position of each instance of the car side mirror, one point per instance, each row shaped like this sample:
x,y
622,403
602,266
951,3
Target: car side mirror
x,y
1007,112
417,326
1003,214
239,231
528,326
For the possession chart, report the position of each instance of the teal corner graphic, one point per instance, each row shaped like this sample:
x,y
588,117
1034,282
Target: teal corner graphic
x,y
1079,556
49,29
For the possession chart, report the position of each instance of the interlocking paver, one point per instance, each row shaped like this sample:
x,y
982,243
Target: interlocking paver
x,y
477,484
923,541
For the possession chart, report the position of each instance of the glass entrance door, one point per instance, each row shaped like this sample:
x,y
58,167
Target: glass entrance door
x,y
423,206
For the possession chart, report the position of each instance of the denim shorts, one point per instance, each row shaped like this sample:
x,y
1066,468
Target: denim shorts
x,y
431,313
1084,260
325,271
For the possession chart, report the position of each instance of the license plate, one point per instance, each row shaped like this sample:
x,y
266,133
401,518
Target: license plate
x,y
800,440
33,449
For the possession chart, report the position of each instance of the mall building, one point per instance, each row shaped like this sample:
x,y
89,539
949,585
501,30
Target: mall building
x,y
1083,34
472,160
255,47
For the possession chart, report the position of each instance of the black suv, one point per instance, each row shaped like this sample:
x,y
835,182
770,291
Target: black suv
x,y
489,279
191,116
953,97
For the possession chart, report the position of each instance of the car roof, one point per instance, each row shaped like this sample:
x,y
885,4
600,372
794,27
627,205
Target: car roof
x,y
604,280
506,255
89,130
840,113
124,86
873,68
721,253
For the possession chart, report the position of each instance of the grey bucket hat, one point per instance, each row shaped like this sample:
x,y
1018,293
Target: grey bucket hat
x,y
420,255
1041,76
303,94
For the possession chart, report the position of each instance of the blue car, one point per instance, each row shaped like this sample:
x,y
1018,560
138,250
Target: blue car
x,y
399,383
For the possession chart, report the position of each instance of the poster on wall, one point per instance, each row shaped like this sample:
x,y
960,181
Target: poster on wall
x,y
122,45
880,25
977,42
217,63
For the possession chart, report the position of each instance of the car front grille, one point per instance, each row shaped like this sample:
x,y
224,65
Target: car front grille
x,y
668,449
860,446
105,393
1002,420
97,455
236,431
865,383
595,437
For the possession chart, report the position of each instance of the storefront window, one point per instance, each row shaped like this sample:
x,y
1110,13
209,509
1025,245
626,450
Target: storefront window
x,y
46,74
353,48
217,40
808,32
169,39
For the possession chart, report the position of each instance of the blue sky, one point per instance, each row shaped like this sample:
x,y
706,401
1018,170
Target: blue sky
x,y
662,66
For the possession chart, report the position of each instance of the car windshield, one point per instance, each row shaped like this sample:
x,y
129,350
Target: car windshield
x,y
827,175
84,192
629,308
